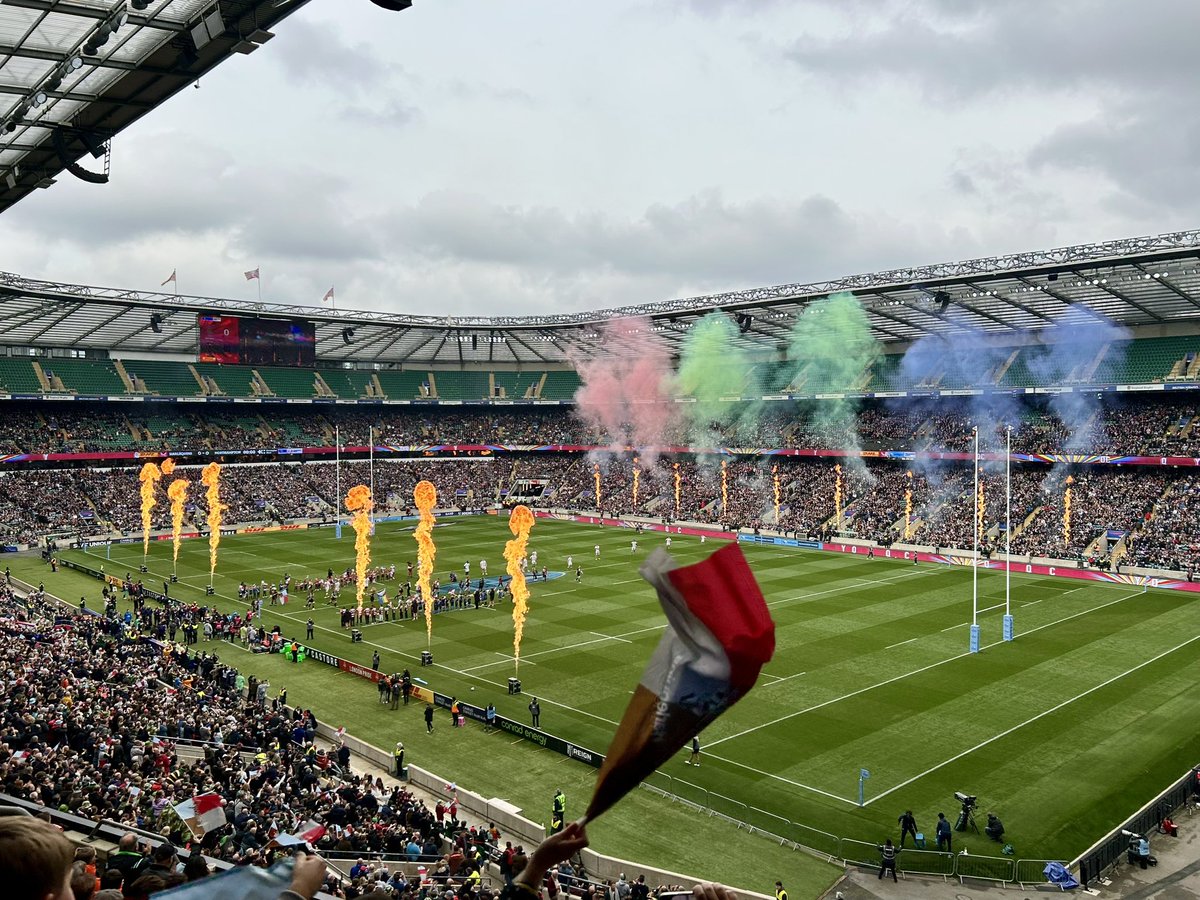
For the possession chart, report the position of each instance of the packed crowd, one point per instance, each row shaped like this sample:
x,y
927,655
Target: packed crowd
x,y
104,719
1152,427
1108,502
94,722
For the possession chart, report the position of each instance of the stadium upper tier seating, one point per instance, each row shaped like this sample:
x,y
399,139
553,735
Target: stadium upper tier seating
x,y
1142,361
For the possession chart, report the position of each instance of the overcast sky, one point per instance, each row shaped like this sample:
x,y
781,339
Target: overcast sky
x,y
476,156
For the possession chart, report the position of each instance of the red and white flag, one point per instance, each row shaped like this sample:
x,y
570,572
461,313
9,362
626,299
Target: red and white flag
x,y
307,833
328,295
170,278
201,814
719,636
252,274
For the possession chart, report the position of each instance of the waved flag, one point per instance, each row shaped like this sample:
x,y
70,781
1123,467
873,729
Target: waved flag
x,y
719,636
307,833
202,814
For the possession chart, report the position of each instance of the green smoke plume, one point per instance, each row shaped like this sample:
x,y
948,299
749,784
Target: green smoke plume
x,y
711,367
830,350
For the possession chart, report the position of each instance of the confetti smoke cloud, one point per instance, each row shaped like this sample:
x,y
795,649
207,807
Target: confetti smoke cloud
x,y
359,502
149,477
210,477
520,521
178,494
425,496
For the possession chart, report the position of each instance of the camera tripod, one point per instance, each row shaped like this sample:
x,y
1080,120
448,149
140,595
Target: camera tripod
x,y
966,819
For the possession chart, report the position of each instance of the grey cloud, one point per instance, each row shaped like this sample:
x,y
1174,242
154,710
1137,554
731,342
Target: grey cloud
x,y
1150,156
960,53
704,239
316,53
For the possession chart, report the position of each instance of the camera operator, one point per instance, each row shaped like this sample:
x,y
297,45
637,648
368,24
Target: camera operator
x,y
1139,849
994,828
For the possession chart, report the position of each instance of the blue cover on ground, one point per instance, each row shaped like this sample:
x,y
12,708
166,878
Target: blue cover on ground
x,y
1057,873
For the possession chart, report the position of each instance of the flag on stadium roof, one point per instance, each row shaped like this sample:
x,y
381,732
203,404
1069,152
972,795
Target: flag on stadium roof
x,y
170,278
201,814
719,636
252,274
328,295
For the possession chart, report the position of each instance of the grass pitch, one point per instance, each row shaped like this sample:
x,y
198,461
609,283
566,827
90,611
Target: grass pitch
x,y
1062,732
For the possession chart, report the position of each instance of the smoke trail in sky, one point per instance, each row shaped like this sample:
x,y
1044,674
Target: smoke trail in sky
x,y
626,389
713,368
830,348
1068,354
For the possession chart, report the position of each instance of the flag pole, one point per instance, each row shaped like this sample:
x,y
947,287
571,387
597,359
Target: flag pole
x,y
975,558
258,281
1008,619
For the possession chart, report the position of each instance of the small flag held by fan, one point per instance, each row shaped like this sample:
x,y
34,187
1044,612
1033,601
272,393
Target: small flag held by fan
x,y
201,814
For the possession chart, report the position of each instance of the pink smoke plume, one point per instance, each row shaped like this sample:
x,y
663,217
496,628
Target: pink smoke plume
x,y
626,390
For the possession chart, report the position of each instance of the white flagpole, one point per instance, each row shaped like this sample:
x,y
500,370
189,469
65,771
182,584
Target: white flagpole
x,y
1008,620
337,479
258,280
975,559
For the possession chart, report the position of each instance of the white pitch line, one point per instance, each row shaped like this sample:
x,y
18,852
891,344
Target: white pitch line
x,y
628,581
901,643
900,677
610,637
1032,719
959,625
846,587
1032,602
781,678
775,777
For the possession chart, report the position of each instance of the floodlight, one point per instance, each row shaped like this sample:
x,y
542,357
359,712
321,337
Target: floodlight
x,y
156,321
347,336
393,5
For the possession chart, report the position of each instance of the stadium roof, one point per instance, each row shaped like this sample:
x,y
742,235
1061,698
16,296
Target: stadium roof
x,y
74,73
1147,281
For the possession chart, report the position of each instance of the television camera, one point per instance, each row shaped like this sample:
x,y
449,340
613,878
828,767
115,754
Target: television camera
x,y
966,817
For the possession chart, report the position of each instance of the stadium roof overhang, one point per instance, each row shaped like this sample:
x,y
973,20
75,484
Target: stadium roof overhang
x,y
1149,281
74,73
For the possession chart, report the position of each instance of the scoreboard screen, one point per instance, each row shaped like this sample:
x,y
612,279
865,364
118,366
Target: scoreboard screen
x,y
239,340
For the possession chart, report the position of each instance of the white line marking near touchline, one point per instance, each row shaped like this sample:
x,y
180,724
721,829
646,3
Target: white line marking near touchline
x,y
901,643
1032,719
